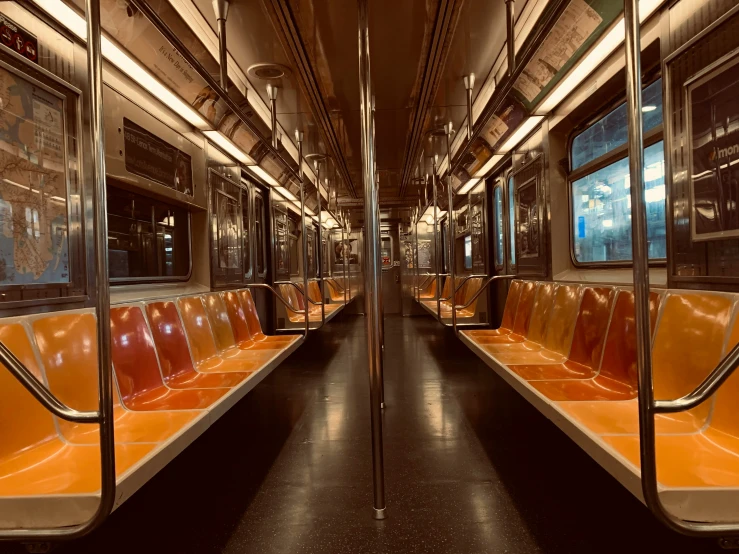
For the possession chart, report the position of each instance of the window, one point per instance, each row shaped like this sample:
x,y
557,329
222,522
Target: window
x,y
511,222
147,239
386,251
610,131
259,234
246,222
601,197
468,252
499,232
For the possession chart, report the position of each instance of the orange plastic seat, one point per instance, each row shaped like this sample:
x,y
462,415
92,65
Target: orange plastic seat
x,y
336,293
553,345
463,297
295,301
688,344
34,459
203,344
314,290
240,327
255,327
522,317
586,347
706,459
174,354
617,378
137,371
226,342
446,291
68,347
429,290
509,314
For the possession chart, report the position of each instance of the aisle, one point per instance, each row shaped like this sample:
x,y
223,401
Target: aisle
x,y
470,466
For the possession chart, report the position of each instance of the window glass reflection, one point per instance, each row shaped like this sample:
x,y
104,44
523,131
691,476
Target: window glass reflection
x,y
499,235
511,222
611,131
601,206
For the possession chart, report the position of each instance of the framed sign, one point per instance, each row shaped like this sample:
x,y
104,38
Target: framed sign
x,y
713,132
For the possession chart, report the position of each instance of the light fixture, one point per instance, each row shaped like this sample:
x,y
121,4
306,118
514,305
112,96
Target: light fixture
x,y
307,209
467,187
647,109
76,23
287,194
607,45
523,130
266,177
221,140
607,223
490,164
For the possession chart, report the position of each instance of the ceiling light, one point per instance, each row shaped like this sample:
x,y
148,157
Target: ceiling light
x,y
264,176
607,45
287,194
646,109
221,140
468,186
523,130
76,23
490,164
307,209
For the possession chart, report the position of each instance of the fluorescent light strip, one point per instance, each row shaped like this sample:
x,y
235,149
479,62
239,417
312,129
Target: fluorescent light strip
x,y
523,130
605,47
264,176
76,23
468,186
490,164
229,147
287,194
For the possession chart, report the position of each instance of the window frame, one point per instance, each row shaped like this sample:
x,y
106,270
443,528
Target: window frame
x,y
116,281
651,137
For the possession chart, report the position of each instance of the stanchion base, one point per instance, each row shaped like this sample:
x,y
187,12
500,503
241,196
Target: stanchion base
x,y
379,514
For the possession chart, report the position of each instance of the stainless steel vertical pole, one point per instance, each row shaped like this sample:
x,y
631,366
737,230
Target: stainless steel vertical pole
x,y
639,249
220,7
319,254
299,140
469,85
272,91
102,284
448,130
436,241
372,282
510,9
343,259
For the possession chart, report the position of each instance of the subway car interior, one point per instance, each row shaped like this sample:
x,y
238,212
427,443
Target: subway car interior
x,y
367,276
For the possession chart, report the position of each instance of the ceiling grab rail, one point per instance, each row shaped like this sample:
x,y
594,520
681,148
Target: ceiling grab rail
x,y
104,415
555,9
475,297
648,407
154,18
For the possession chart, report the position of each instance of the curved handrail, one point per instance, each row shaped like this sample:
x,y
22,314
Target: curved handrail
x,y
47,399
300,290
277,294
427,280
461,284
482,288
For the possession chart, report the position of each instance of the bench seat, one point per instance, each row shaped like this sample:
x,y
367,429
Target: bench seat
x,y
588,386
167,391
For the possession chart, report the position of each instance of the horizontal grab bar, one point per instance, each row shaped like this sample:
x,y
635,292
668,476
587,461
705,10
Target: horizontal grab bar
x,y
41,393
299,290
464,280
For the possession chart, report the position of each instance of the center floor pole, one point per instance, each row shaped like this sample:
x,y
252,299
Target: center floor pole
x,y
372,283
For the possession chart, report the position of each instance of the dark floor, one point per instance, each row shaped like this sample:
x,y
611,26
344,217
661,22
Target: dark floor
x,y
470,466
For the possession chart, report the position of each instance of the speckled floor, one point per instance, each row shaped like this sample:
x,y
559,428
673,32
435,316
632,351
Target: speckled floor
x,y
470,466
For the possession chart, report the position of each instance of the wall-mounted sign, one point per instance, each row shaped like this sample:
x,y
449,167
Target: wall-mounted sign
x,y
713,128
18,39
154,159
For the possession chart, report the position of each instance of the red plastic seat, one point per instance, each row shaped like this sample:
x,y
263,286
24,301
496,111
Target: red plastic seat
x,y
240,327
616,379
139,378
174,353
584,349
